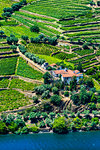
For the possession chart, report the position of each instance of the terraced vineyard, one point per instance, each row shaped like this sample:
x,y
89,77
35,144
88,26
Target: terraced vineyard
x,y
77,23
73,20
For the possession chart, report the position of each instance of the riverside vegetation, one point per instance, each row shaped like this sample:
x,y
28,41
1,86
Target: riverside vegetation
x,y
65,38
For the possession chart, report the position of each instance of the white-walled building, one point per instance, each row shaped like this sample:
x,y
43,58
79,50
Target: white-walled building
x,y
67,75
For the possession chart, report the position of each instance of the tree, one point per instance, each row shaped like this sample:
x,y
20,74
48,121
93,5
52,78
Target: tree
x,y
25,37
52,115
79,67
35,99
1,32
6,15
84,95
20,122
60,125
32,116
89,83
3,128
73,84
46,94
75,98
8,9
98,3
12,127
56,100
66,93
10,118
14,47
47,78
12,40
16,6
42,124
55,90
34,28
85,46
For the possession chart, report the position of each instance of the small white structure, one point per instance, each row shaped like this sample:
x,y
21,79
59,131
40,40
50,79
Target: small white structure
x,y
45,65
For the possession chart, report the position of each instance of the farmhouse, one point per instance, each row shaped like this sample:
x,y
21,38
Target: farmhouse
x,y
66,75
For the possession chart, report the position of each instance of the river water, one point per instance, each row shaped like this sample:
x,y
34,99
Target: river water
x,y
51,141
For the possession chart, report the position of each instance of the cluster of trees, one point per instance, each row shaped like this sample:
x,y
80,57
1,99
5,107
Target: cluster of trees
x,y
12,40
15,7
2,35
44,90
84,96
85,43
34,58
44,39
22,49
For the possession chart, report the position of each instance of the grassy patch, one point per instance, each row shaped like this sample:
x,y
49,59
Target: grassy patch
x,y
8,66
26,71
96,85
20,84
52,60
18,31
4,83
5,3
63,56
11,99
44,49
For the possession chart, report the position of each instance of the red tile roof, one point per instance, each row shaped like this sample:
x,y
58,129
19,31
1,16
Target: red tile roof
x,y
68,73
59,71
52,65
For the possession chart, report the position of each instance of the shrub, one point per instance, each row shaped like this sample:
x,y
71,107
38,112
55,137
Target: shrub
x,y
66,93
44,114
20,122
34,129
59,125
42,124
34,29
56,100
25,130
52,115
35,99
55,90
3,128
46,94
12,127
98,3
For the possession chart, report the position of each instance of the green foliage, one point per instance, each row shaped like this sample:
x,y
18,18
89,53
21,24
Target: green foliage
x,y
4,83
73,84
59,125
79,67
20,123
3,128
66,93
47,78
42,124
55,90
45,94
20,84
35,99
26,71
32,116
12,127
11,99
34,29
56,100
34,129
8,66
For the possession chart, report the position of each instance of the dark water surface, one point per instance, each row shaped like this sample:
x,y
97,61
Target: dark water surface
x,y
50,141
